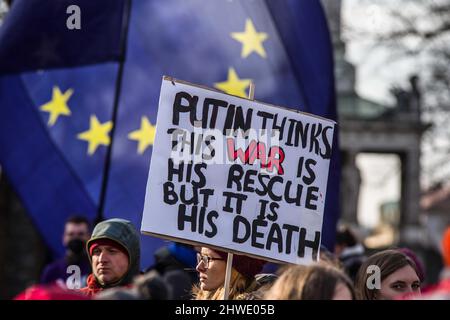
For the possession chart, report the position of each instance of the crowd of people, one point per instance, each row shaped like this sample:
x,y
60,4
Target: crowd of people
x,y
109,266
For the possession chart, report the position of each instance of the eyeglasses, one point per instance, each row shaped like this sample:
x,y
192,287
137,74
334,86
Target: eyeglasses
x,y
205,259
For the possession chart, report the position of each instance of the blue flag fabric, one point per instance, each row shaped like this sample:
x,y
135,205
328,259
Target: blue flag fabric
x,y
42,34
283,47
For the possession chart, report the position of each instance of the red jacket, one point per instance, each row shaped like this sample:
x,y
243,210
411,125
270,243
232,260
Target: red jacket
x,y
92,287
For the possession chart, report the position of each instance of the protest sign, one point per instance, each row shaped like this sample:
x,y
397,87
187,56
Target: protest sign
x,y
237,174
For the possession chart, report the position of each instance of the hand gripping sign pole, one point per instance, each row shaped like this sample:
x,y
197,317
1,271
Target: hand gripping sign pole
x,y
251,96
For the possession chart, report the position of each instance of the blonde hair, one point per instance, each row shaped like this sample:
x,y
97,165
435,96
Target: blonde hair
x,y
315,282
240,286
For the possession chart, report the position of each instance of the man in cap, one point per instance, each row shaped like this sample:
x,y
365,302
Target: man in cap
x,y
114,252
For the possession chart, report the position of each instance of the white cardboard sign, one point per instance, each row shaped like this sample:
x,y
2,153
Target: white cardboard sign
x,y
237,174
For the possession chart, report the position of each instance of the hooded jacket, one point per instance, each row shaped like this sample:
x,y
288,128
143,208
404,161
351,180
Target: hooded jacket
x,y
124,233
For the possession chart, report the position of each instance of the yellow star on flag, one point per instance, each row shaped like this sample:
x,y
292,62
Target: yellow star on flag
x,y
58,105
251,40
98,134
234,85
145,135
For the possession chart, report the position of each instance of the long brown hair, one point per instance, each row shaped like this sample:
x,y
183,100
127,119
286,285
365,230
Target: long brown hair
x,y
315,282
388,261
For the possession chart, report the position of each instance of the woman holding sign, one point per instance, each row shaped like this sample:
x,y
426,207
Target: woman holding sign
x,y
211,266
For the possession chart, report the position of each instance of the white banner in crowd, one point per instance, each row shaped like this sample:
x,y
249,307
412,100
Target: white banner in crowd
x,y
237,174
